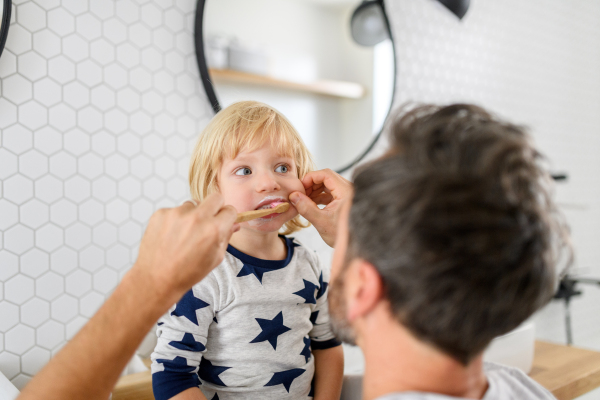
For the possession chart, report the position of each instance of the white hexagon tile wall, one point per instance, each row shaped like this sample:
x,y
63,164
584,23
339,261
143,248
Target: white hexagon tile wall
x,y
100,103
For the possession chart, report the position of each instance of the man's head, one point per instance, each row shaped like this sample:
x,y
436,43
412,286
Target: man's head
x,y
457,222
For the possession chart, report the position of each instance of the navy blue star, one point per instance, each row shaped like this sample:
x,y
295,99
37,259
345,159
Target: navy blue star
x,y
187,307
271,329
178,364
313,317
188,343
322,286
285,377
248,269
294,244
160,323
312,388
215,397
210,373
308,293
306,351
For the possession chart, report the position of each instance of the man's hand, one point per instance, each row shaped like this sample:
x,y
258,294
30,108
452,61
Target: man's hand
x,y
182,245
322,187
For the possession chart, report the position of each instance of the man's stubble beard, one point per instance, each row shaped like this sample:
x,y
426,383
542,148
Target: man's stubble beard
x,y
337,309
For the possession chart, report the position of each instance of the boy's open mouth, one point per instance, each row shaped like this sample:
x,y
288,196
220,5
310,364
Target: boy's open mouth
x,y
270,202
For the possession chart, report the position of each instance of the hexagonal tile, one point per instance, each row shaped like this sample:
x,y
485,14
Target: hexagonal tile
x,y
128,55
9,214
152,15
8,64
89,73
90,166
90,119
175,104
117,211
34,263
61,69
75,7
91,212
115,121
102,9
18,189
18,239
140,79
104,188
105,234
17,89
89,26
141,167
35,312
78,283
152,59
19,339
9,113
8,164
178,189
17,139
130,188
76,95
30,16
61,22
75,48
34,213
90,303
10,316
32,66
116,166
103,97
50,335
130,233
140,123
10,265
63,165
128,144
115,76
34,360
128,100
20,381
64,308
115,31
46,43
33,164
77,189
74,326
49,237
91,258
102,52
48,189
174,20
33,115
10,365
153,102
105,280
78,236
103,143
19,289
63,260
19,40
62,117
47,92
63,213
164,82
77,142
164,167
49,286
118,256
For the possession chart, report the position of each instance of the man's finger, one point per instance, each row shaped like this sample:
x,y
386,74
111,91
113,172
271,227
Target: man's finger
x,y
305,206
211,204
225,220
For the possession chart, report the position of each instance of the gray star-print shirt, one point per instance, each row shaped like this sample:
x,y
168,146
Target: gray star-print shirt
x,y
246,331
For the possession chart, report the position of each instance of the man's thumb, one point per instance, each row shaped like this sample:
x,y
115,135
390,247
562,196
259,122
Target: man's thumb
x,y
305,206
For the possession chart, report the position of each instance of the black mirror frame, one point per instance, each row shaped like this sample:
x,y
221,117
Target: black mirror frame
x,y
214,102
5,24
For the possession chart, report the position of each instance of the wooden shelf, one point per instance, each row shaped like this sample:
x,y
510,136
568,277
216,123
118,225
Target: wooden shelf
x,y
348,90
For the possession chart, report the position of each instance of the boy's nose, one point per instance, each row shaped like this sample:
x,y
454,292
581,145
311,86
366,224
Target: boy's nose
x,y
267,183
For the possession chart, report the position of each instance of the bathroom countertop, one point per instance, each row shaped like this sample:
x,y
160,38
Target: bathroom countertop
x,y
568,372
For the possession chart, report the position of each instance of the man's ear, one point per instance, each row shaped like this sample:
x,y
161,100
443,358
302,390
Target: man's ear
x,y
364,288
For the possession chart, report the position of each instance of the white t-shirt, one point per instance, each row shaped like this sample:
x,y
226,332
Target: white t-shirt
x,y
505,383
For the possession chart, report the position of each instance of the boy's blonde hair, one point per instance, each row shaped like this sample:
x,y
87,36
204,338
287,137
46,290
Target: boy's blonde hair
x,y
245,126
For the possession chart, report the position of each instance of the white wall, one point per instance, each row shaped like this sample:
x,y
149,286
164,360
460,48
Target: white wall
x,y
100,104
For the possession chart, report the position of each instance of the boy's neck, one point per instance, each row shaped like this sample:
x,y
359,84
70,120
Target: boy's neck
x,y
263,245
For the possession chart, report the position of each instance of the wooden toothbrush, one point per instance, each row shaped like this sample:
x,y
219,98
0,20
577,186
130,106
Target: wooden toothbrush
x,y
250,215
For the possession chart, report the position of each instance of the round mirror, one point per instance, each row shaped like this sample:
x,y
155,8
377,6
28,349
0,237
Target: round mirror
x,y
5,9
303,57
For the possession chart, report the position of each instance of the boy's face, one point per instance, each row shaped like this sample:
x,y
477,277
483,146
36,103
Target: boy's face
x,y
256,179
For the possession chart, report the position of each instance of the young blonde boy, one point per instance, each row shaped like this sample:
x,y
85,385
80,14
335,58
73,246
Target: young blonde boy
x,y
258,326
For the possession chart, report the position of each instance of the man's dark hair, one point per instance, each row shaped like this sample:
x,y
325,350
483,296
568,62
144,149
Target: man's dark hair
x,y
458,221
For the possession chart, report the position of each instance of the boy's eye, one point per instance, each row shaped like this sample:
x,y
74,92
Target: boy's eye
x,y
282,169
243,171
